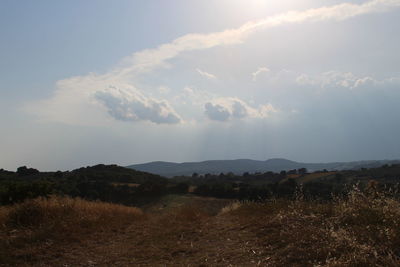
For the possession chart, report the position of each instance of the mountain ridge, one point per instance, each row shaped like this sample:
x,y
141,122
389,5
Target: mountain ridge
x,y
239,166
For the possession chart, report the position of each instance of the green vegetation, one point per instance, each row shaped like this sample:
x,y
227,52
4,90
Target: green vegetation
x,y
322,185
106,183
112,183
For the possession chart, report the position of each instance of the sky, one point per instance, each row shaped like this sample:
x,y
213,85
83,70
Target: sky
x,y
125,82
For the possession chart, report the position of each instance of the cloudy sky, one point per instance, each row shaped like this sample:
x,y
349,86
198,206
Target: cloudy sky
x,y
87,82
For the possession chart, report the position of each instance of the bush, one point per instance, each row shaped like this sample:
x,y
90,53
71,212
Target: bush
x,y
14,192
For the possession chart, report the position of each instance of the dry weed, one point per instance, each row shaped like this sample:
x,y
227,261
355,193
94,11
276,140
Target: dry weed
x,y
28,227
361,230
231,207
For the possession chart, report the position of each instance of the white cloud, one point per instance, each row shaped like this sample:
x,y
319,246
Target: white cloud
x,y
206,74
259,71
336,79
345,80
132,106
193,96
266,110
224,109
217,112
366,81
83,100
304,79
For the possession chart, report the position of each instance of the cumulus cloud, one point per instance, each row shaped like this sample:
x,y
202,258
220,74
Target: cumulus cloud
x,y
83,100
206,74
193,96
259,71
336,79
217,112
366,81
224,109
304,79
132,106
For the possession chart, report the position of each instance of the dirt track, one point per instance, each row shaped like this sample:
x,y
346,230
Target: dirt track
x,y
184,232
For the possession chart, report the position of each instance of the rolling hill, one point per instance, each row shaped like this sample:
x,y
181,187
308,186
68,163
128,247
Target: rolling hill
x,y
239,166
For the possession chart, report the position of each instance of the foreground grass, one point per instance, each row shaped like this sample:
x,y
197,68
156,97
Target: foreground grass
x,y
30,228
360,230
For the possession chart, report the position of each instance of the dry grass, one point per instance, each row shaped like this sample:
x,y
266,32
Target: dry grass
x,y
70,214
358,231
231,207
361,230
314,176
29,227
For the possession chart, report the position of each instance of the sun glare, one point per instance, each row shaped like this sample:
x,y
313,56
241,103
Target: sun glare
x,y
259,9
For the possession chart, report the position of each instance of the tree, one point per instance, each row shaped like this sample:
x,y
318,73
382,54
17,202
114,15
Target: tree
x,y
24,171
302,171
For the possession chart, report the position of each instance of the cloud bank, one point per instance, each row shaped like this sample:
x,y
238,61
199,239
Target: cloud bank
x,y
338,79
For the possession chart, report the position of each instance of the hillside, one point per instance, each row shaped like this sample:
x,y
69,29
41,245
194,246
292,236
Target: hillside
x,y
99,173
109,183
360,230
115,173
239,166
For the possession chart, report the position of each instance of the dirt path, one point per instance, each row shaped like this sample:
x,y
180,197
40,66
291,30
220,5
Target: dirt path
x,y
187,237
218,241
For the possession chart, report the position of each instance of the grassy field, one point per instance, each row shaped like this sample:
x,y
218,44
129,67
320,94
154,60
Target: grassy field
x,y
361,230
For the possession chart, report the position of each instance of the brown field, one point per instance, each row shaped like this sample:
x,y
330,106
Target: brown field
x,y
313,176
292,176
307,177
127,184
192,231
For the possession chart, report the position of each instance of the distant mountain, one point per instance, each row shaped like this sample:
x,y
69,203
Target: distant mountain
x,y
239,166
